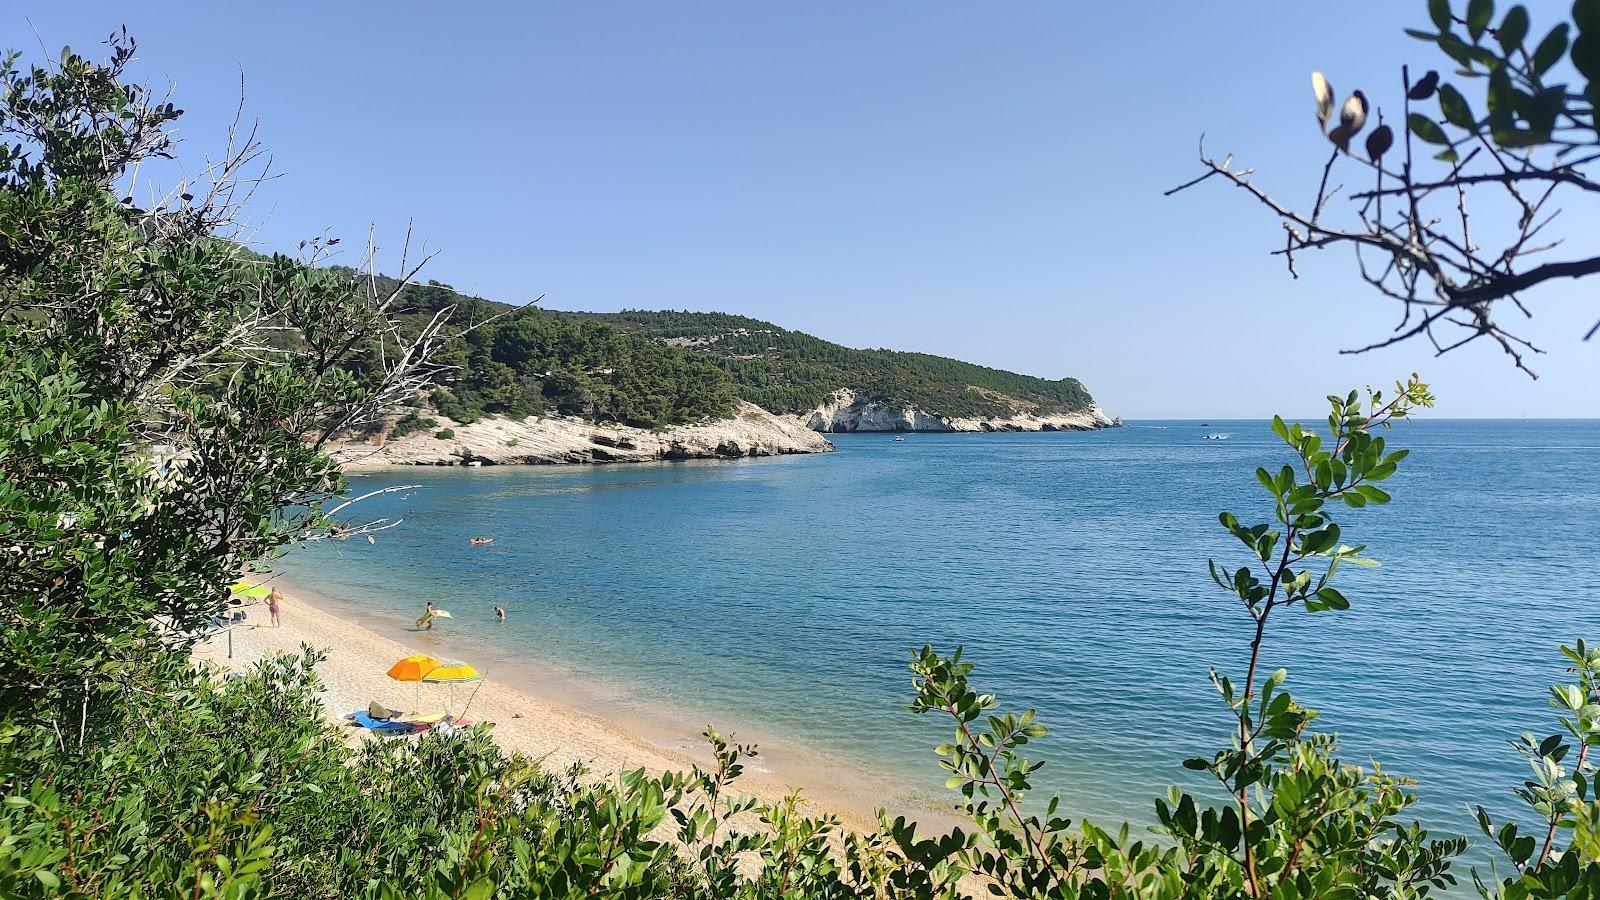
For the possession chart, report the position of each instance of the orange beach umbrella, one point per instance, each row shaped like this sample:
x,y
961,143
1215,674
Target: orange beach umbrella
x,y
414,668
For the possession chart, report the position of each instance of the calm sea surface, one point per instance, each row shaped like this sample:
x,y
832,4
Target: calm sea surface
x,y
782,595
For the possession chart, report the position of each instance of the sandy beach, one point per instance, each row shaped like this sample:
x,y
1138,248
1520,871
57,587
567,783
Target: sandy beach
x,y
354,674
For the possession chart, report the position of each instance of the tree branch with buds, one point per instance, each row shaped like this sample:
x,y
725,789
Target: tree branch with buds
x,y
1521,150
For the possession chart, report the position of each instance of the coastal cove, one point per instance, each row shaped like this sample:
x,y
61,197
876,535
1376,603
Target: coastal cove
x,y
539,711
779,597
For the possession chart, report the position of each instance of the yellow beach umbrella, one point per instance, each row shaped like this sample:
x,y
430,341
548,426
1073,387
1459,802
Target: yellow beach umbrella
x,y
414,668
452,674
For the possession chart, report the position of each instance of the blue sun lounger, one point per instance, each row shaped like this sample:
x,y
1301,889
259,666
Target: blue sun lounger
x,y
361,718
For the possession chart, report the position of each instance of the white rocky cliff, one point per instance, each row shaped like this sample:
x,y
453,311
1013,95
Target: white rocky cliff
x,y
550,440
851,410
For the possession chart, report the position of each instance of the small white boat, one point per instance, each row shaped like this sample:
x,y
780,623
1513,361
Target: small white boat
x,y
899,440
1218,436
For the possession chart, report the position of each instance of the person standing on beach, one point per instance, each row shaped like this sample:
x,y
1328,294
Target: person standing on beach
x,y
500,613
275,607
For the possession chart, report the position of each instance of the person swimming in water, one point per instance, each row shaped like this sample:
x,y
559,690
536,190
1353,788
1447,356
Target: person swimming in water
x,y
500,613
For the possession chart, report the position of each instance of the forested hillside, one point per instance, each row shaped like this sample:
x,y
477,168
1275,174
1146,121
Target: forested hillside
x,y
793,372
519,361
654,369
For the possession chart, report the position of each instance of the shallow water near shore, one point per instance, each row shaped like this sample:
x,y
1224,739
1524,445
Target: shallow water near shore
x,y
780,596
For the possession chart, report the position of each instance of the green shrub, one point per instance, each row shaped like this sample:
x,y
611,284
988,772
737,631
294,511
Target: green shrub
x,y
445,434
411,422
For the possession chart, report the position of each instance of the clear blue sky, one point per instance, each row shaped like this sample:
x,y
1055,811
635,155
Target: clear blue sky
x,y
976,180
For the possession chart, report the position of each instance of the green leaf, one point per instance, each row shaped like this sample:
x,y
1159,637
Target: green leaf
x,y
1373,493
1467,54
1279,428
1455,108
1516,138
1439,11
1426,129
1513,28
1542,109
1331,598
1586,14
1502,99
1586,55
1321,541
1263,476
1549,51
1479,12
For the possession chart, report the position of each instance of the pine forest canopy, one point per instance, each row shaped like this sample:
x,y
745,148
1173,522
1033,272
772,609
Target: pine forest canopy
x,y
654,369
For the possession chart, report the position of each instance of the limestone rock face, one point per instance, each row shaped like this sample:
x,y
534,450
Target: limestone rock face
x,y
554,440
852,410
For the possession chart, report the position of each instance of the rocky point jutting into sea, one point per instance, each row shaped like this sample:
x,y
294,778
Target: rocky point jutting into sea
x,y
556,439
751,432
853,410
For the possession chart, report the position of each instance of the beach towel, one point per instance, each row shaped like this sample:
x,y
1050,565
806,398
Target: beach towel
x,y
361,718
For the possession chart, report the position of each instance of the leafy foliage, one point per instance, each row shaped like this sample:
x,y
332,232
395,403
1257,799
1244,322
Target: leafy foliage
x,y
163,402
155,441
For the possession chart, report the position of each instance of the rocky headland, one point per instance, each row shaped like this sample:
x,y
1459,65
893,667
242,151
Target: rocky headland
x,y
555,440
852,410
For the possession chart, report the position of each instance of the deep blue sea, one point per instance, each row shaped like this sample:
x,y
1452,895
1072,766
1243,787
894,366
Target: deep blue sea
x,y
782,595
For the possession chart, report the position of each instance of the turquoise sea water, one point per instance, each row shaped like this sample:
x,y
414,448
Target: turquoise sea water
x,y
782,594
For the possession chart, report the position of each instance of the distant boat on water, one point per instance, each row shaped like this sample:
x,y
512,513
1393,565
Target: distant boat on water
x,y
899,440
1218,436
